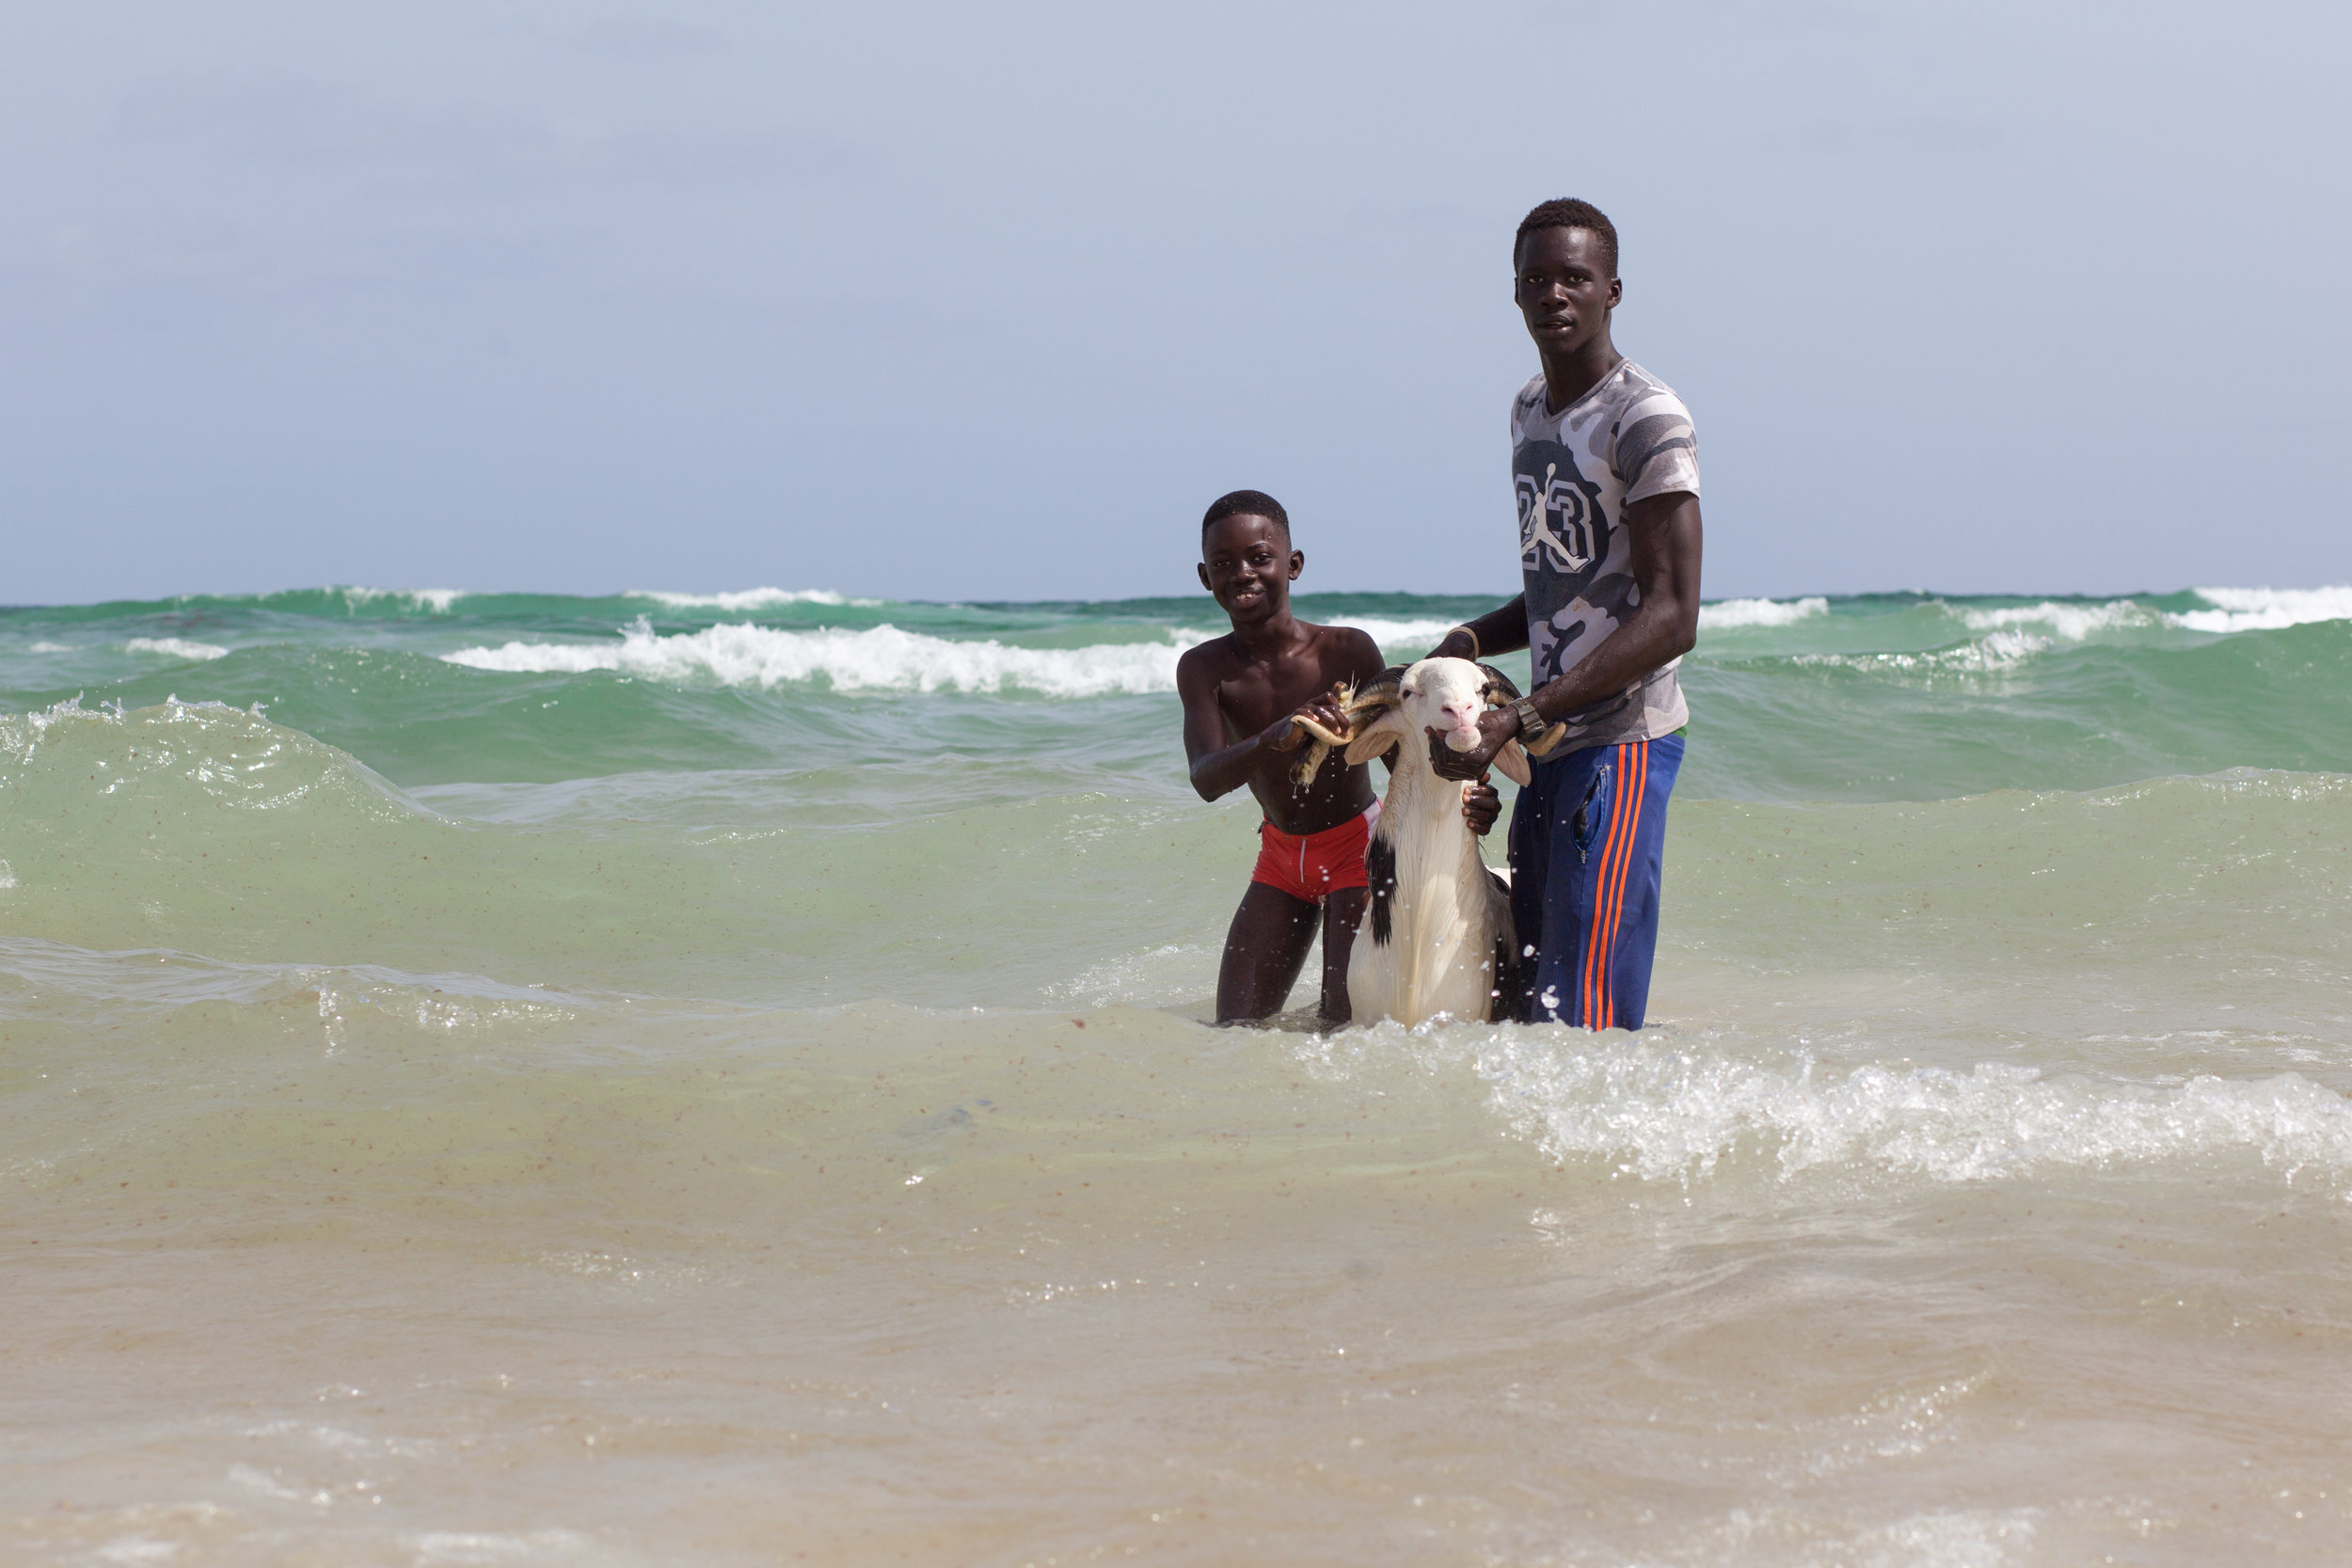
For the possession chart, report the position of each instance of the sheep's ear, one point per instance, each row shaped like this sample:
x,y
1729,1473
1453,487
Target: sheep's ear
x,y
1512,759
1375,737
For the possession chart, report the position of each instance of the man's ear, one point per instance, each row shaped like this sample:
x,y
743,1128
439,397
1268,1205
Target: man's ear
x,y
1298,564
1617,292
1204,570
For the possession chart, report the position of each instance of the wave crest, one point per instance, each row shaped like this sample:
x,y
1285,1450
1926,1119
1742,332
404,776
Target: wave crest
x,y
435,601
879,658
1731,614
1650,1109
175,647
1990,655
749,598
1659,1114
2268,608
2070,623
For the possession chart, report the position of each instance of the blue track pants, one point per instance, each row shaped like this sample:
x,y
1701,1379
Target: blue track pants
x,y
1587,842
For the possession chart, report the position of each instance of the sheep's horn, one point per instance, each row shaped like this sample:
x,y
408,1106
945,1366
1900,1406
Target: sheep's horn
x,y
1496,680
1378,692
1322,735
1500,692
1384,689
1543,744
1322,741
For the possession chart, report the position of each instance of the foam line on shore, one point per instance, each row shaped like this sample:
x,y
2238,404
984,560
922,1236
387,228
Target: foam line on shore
x,y
1661,1113
1662,1110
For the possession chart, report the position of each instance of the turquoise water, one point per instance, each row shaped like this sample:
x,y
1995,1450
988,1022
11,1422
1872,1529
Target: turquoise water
x,y
498,1078
1882,697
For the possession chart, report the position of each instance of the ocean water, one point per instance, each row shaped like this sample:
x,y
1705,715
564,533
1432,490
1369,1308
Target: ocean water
x,y
497,1078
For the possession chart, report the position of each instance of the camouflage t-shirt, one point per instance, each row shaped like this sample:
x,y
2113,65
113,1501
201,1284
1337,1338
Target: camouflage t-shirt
x,y
1576,471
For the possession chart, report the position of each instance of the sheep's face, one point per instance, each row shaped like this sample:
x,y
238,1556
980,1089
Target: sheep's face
x,y
1446,695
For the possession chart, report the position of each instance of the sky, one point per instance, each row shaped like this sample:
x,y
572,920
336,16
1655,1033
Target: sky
x,y
988,302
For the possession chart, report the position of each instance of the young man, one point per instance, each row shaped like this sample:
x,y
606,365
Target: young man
x,y
1604,462
1242,696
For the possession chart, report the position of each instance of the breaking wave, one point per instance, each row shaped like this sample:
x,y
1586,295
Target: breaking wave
x,y
1723,616
1399,636
749,598
2070,623
1730,614
175,647
2268,608
1659,1114
435,601
1990,655
2235,609
879,658
1651,1111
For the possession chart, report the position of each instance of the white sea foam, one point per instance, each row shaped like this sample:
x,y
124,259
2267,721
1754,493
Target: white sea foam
x,y
1722,616
438,600
1728,614
1661,1113
1991,655
21,733
175,647
51,648
2072,623
1411,637
1950,1538
749,598
1153,978
2268,608
1401,635
879,658
475,1549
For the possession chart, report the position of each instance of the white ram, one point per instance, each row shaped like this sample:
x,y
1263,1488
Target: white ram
x,y
1437,935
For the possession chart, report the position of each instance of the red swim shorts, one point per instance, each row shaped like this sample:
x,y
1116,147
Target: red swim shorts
x,y
1313,864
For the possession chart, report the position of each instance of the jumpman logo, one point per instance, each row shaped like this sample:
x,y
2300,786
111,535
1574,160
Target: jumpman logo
x,y
1537,504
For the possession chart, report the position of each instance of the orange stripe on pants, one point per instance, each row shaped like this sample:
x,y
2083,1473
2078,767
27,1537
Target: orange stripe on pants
x,y
1633,777
1592,982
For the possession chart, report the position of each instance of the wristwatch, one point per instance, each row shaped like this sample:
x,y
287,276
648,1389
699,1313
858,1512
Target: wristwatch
x,y
1530,723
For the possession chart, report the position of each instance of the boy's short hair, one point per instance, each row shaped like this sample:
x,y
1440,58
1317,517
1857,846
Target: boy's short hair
x,y
1568,213
1255,503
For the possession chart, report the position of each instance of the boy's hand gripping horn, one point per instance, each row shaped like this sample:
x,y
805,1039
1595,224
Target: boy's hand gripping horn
x,y
1378,692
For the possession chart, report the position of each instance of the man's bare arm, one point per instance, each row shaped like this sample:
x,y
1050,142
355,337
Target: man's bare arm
x,y
1668,541
1501,630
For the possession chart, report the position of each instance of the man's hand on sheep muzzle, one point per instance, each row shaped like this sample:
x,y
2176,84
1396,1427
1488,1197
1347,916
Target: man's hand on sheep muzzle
x,y
1497,728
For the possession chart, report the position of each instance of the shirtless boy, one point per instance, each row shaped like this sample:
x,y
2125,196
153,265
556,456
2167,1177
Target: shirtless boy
x,y
1242,695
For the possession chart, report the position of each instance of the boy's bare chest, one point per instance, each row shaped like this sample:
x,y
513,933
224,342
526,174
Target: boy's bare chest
x,y
1256,695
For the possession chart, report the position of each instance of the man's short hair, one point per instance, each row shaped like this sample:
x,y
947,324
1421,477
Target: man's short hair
x,y
1255,503
1568,213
